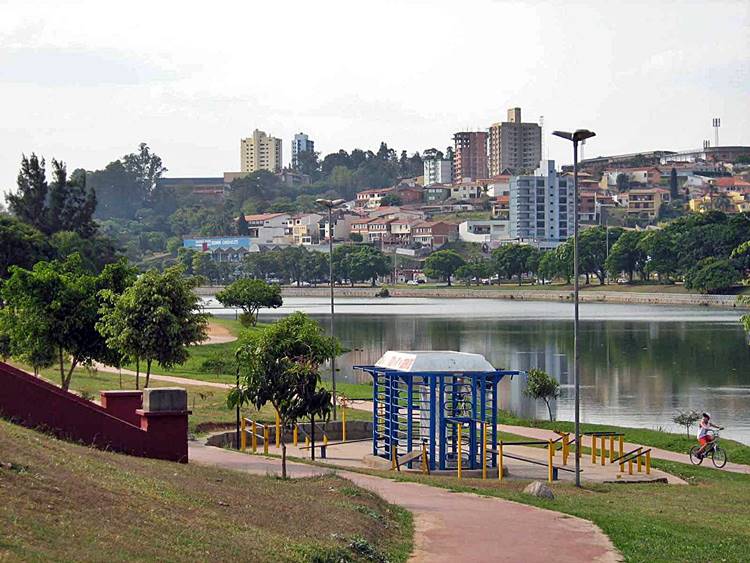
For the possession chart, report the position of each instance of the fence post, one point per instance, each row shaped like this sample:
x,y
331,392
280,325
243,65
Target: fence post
x,y
500,466
343,424
295,435
611,447
254,436
640,462
622,445
630,466
265,439
243,438
603,450
278,429
565,448
393,456
425,461
648,462
460,454
484,450
593,448
550,471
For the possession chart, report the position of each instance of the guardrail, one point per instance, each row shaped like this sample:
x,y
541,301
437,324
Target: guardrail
x,y
642,458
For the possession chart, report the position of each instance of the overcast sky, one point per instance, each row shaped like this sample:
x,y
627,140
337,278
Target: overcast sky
x,y
86,82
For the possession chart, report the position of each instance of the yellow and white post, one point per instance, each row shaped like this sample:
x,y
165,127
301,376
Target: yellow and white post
x,y
243,436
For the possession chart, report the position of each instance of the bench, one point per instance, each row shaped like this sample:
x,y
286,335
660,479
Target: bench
x,y
412,456
555,468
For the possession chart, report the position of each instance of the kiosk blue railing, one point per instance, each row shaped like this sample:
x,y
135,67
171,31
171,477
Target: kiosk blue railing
x,y
425,397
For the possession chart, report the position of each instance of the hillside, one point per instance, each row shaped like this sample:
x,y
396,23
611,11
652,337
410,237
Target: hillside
x,y
63,501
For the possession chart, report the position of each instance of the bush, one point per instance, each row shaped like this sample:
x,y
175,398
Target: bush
x,y
383,293
216,364
712,275
686,419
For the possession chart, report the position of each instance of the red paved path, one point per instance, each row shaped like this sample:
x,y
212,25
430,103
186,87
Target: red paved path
x,y
455,527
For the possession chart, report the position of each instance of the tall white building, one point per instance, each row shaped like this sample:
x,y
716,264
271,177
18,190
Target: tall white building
x,y
301,143
541,207
260,152
437,170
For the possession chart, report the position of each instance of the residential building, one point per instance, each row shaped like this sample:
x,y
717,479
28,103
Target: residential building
x,y
498,185
646,202
541,206
434,233
204,189
359,226
708,154
293,178
401,232
644,176
268,228
378,229
342,225
470,155
501,207
436,192
466,191
260,152
396,213
301,143
371,198
303,228
514,145
484,231
630,159
437,170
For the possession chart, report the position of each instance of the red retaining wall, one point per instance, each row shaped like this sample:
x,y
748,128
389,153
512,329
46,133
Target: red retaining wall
x,y
117,426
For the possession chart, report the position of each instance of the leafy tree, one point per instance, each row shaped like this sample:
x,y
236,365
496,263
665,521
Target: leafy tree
x,y
355,237
281,366
626,255
391,199
145,167
622,181
475,270
70,204
712,275
95,252
117,191
549,265
308,163
515,260
51,314
242,227
250,295
204,265
592,250
673,188
154,320
662,256
367,263
686,418
30,200
540,385
20,244
261,265
443,264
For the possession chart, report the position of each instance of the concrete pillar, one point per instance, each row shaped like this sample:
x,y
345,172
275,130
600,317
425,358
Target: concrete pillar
x,y
123,404
164,417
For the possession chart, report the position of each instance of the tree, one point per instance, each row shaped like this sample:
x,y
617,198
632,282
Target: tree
x,y
250,296
540,385
242,227
443,264
391,199
20,245
473,271
367,263
145,167
549,266
622,181
626,255
686,418
515,260
712,275
673,188
70,204
281,366
154,319
355,237
96,252
51,314
30,200
661,251
204,265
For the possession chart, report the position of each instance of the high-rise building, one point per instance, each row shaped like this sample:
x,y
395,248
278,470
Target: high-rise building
x,y
470,156
541,206
301,143
260,152
514,145
437,170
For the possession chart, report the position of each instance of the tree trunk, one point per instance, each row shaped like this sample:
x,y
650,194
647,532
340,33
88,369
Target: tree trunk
x,y
148,372
449,281
312,438
62,369
549,410
283,456
73,364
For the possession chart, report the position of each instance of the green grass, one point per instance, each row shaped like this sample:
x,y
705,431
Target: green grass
x,y
681,443
67,502
707,520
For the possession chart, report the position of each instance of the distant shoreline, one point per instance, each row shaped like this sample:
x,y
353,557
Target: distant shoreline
x,y
586,296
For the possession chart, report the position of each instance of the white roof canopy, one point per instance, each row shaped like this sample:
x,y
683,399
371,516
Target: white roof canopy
x,y
432,360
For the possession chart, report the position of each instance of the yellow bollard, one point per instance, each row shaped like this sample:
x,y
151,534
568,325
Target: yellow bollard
x,y
565,448
622,466
325,439
622,445
254,436
550,473
640,463
648,462
603,450
265,440
500,461
611,447
295,435
460,454
243,437
278,430
484,450
393,457
343,424
307,440
630,466
593,449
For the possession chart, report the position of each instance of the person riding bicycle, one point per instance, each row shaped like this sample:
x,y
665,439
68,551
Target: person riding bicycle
x,y
704,433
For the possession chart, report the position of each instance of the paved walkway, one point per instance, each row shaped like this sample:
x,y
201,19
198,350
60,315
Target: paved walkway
x,y
452,527
543,434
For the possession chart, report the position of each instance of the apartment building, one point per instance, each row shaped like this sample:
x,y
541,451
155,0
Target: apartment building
x,y
434,233
470,155
301,143
303,228
514,145
260,152
484,231
371,198
541,206
645,202
437,170
268,228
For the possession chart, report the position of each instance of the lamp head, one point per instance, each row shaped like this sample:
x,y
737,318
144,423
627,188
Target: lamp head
x,y
578,136
563,134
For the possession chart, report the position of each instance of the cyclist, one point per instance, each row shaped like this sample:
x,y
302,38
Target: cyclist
x,y
704,436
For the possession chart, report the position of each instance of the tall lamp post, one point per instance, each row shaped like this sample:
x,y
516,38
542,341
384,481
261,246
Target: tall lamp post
x,y
576,137
331,204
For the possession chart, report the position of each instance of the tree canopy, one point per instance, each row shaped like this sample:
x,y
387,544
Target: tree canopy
x,y
443,264
250,295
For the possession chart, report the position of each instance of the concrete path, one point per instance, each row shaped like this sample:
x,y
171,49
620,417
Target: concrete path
x,y
452,527
542,434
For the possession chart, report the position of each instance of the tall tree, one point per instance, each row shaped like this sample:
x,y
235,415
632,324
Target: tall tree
x,y
154,320
367,263
20,245
443,264
673,188
242,227
71,205
145,167
30,200
626,255
250,296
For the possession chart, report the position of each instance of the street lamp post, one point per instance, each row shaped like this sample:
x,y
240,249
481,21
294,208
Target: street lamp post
x,y
576,137
330,204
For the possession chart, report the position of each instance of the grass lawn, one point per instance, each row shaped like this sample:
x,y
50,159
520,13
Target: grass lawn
x,y
737,452
66,502
707,520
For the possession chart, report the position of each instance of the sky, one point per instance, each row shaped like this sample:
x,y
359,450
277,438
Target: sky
x,y
86,81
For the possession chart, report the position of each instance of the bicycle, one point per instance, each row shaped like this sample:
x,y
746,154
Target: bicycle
x,y
717,454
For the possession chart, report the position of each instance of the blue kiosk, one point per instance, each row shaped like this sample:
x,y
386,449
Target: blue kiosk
x,y
424,397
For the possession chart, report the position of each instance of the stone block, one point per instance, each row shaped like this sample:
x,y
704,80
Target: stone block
x,y
164,399
539,489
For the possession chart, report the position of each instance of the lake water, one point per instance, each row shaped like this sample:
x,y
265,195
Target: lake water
x,y
638,364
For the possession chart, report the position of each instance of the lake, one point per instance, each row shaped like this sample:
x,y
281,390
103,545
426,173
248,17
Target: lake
x,y
639,364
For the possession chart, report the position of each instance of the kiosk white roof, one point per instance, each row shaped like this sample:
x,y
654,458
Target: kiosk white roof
x,y
432,360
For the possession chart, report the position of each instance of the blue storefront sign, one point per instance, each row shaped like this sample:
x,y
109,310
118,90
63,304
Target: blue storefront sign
x,y
217,243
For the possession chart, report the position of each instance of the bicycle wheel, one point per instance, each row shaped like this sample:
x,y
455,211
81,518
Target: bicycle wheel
x,y
719,457
694,459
